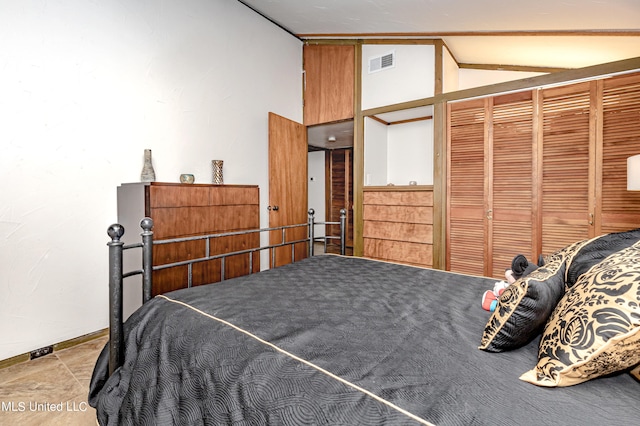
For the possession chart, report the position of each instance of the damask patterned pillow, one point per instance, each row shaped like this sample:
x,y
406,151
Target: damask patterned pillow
x,y
595,328
596,251
636,372
524,306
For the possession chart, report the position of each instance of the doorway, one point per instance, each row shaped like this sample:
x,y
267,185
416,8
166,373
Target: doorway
x,y
330,190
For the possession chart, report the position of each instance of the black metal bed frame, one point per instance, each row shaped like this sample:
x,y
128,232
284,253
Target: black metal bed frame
x,y
117,273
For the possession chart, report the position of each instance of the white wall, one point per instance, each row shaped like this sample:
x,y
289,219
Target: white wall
x,y
450,72
317,188
375,153
469,78
410,153
411,78
86,87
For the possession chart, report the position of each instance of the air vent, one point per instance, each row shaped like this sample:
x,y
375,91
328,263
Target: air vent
x,y
382,62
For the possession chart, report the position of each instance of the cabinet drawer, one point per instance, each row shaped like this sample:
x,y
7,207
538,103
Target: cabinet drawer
x,y
184,221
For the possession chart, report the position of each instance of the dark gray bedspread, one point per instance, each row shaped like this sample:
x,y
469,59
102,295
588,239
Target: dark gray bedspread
x,y
409,336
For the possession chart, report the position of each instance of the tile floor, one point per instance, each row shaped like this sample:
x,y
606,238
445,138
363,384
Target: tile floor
x,y
51,390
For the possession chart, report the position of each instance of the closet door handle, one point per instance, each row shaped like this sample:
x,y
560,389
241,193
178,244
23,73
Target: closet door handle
x,y
274,208
591,219
490,214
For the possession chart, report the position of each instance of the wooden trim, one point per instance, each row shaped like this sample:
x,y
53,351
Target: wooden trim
x,y
440,179
348,193
522,33
340,41
408,41
500,67
379,120
598,135
409,120
358,156
398,188
439,61
536,158
328,179
488,186
595,155
80,340
18,359
194,184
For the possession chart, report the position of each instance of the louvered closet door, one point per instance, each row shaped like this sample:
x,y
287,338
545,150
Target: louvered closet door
x,y
620,139
339,170
567,180
511,180
465,190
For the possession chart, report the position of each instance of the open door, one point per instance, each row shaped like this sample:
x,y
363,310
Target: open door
x,y
287,185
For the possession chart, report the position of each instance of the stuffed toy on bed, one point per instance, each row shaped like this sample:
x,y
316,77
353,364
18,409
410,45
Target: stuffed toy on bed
x,y
520,267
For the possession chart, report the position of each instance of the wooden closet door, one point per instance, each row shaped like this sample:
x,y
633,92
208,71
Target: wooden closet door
x,y
620,209
465,234
339,175
491,187
568,185
511,182
329,83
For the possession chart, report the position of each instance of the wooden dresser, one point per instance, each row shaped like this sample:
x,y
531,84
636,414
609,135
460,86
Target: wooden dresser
x,y
183,210
398,224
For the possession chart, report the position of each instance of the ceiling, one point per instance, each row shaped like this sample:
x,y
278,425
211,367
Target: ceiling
x,y
536,33
525,34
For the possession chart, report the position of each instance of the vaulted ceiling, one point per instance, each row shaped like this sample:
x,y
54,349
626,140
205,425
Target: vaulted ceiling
x,y
525,33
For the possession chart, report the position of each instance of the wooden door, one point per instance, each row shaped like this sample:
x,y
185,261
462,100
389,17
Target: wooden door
x,y
287,185
511,182
465,232
568,179
491,189
339,184
620,209
532,173
329,83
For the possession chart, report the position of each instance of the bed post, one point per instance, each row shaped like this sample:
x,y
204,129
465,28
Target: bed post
x,y
311,231
147,258
343,231
115,231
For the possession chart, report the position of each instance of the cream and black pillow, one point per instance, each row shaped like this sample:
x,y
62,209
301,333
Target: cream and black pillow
x,y
524,306
595,328
636,372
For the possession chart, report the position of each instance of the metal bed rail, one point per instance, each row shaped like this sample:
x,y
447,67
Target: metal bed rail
x,y
117,274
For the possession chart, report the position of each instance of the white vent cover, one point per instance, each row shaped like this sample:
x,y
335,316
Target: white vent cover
x,y
382,62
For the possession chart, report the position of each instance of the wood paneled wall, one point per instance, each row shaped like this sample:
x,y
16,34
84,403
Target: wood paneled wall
x,y
398,224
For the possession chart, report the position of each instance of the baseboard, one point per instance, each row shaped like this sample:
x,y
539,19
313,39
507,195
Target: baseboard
x,y
56,347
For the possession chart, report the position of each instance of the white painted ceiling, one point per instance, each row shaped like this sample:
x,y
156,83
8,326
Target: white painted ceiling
x,y
487,33
537,33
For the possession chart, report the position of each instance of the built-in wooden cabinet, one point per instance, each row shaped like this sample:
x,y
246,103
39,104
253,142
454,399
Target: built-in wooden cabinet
x,y
328,83
531,172
184,210
398,224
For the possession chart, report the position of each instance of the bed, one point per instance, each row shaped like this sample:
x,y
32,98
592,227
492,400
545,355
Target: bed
x,y
336,340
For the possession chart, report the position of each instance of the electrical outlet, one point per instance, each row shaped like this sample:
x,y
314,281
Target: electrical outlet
x,y
40,352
